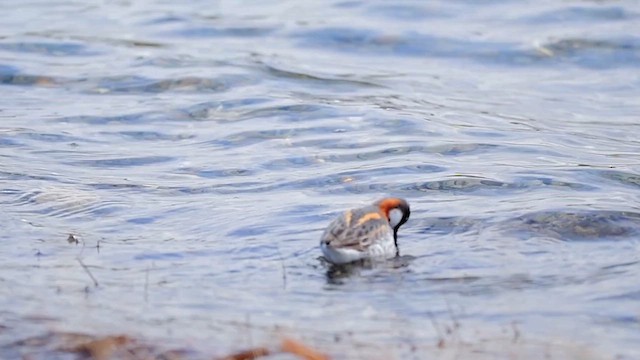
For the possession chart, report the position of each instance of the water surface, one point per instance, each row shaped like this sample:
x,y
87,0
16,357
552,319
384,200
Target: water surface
x,y
198,150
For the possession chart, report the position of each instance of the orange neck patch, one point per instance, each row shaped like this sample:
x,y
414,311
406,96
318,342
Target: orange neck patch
x,y
387,204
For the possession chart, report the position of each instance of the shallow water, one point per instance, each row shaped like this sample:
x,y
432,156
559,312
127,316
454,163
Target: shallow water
x,y
198,150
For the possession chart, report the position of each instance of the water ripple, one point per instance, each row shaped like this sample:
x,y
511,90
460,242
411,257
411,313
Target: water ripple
x,y
210,31
48,49
625,178
597,53
64,202
124,162
188,84
579,225
584,14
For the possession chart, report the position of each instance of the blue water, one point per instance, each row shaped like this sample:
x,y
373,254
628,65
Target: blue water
x,y
198,150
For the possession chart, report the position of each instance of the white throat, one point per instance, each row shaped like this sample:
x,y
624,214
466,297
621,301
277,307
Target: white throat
x,y
395,216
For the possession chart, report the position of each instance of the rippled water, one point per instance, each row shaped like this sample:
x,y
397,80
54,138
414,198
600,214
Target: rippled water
x,y
198,150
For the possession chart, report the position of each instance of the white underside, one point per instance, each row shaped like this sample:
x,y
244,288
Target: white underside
x,y
381,249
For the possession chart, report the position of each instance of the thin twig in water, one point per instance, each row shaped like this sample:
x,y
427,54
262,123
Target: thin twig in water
x,y
435,326
74,239
86,269
146,285
453,317
248,330
516,332
284,269
455,331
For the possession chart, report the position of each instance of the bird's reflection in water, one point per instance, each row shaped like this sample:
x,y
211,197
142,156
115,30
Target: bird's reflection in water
x,y
337,273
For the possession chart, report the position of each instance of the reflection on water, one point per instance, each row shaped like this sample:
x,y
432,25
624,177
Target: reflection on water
x,y
365,268
196,151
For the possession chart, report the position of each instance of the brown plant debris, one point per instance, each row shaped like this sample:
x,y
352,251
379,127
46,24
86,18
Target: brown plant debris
x,y
248,354
303,351
103,349
288,345
123,347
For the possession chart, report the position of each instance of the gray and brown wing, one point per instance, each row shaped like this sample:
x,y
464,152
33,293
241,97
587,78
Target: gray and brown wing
x,y
356,229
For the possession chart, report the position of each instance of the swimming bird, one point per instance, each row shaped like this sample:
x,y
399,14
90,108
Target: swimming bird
x,y
365,233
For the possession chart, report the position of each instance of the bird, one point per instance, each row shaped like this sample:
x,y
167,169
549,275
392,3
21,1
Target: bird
x,y
370,232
